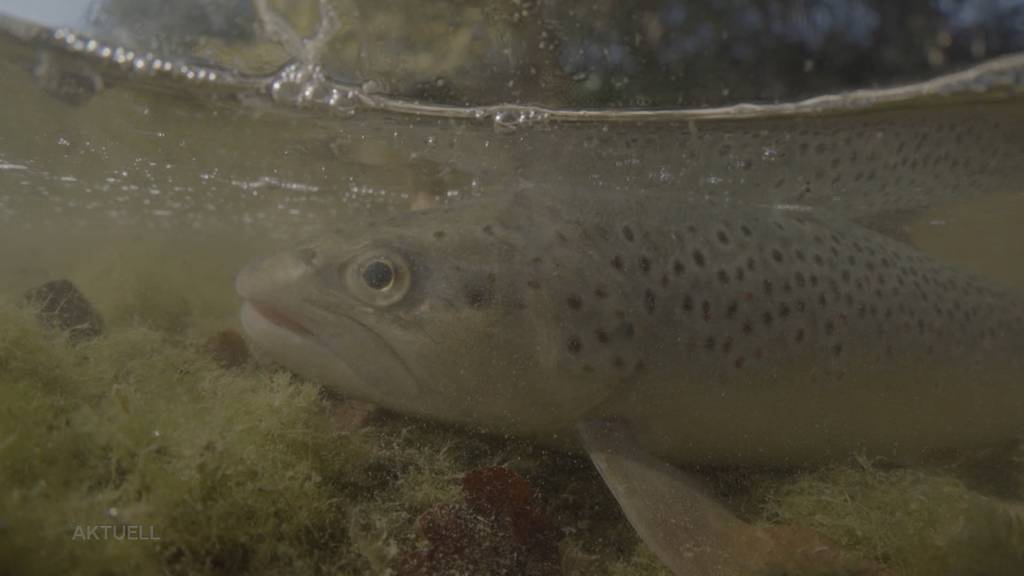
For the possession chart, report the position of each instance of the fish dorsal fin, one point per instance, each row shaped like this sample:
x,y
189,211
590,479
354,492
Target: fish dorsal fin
x,y
689,530
894,224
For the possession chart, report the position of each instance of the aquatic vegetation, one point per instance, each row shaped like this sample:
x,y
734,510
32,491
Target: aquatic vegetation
x,y
232,471
916,522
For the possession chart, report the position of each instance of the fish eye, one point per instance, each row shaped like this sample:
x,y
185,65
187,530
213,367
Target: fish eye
x,y
379,275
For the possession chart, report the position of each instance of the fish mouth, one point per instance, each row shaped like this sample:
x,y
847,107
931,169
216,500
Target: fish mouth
x,y
278,318
352,360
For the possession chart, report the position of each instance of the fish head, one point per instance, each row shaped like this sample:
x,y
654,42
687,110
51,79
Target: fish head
x,y
426,314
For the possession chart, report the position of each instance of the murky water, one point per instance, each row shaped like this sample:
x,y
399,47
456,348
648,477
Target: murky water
x,y
550,267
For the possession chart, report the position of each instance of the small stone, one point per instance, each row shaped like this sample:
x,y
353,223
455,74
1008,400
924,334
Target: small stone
x,y
227,348
61,306
75,87
349,416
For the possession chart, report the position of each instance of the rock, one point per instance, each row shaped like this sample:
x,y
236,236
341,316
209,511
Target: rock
x,y
499,529
227,348
61,306
349,416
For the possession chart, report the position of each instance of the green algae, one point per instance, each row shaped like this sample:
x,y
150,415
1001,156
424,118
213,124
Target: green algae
x,y
231,470
916,522
247,470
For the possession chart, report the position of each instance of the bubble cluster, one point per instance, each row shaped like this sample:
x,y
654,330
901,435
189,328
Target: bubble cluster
x,y
138,62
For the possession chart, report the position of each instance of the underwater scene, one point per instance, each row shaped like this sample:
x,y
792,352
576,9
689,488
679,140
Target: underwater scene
x,y
512,287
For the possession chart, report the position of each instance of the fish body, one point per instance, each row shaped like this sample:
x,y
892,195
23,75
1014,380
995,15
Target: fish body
x,y
721,333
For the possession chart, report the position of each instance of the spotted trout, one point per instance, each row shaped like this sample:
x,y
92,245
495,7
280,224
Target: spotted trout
x,y
651,332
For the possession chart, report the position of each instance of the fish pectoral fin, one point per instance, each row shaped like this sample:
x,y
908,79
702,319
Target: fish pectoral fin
x,y
685,527
688,529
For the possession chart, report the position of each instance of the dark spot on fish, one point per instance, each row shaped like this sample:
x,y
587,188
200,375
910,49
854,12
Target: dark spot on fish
x,y
626,328
723,238
723,277
639,366
645,264
533,284
740,361
678,268
488,229
837,349
799,335
768,288
776,255
745,231
306,256
767,318
649,301
618,362
698,258
627,233
600,293
602,336
573,345
438,234
574,302
705,308
687,303
709,343
617,262
479,296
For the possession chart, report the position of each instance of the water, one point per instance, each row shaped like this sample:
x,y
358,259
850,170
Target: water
x,y
151,173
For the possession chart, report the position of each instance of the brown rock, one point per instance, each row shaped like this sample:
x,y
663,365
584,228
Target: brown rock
x,y
498,530
61,306
351,415
227,348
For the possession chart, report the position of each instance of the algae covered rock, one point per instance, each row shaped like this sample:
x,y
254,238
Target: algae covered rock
x,y
61,306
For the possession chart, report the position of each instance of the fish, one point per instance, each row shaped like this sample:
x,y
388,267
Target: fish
x,y
653,333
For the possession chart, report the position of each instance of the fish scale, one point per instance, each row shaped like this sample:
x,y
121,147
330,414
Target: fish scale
x,y
733,299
